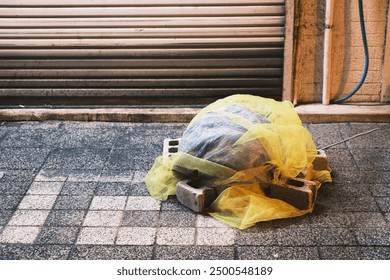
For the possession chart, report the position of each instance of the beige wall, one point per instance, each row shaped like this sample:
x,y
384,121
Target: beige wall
x,y
386,68
347,50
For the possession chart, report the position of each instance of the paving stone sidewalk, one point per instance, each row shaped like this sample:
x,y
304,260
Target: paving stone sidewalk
x,y
74,190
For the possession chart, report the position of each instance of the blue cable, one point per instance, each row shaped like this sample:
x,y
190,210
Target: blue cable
x,y
366,63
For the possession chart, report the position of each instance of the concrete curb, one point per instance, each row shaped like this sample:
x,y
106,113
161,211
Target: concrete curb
x,y
105,115
312,113
317,113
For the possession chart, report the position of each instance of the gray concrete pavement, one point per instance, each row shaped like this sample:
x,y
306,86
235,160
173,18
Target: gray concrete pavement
x,y
74,190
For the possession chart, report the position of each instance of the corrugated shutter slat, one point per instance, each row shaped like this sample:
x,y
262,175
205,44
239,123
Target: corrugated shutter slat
x,y
169,48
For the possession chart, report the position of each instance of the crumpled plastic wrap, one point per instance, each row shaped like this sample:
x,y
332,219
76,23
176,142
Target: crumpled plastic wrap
x,y
239,145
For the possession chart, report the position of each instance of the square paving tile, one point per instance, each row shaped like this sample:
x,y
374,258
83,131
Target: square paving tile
x,y
10,202
28,218
16,234
10,125
45,188
369,220
138,149
142,203
84,175
109,252
113,188
3,134
145,163
76,159
13,188
362,176
374,139
194,253
298,253
172,204
375,253
387,216
19,175
372,159
34,252
5,215
154,148
37,202
129,139
326,134
78,188
52,175
384,203
177,219
348,204
138,189
295,236
125,159
132,159
108,203
340,253
341,159
136,236
141,218
215,236
22,158
73,202
103,218
296,223
97,235
31,137
326,219
88,137
65,218
139,176
57,235
373,236
380,189
263,237
359,204
74,125
115,175
334,236
345,190
41,125
176,236
258,252
277,253
209,222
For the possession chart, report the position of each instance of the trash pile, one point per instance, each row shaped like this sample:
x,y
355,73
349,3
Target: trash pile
x,y
242,159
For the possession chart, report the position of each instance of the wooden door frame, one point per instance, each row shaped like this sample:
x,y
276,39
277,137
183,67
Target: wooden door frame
x,y
385,93
289,51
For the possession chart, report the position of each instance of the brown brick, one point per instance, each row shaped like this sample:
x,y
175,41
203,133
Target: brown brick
x,y
321,161
299,193
195,196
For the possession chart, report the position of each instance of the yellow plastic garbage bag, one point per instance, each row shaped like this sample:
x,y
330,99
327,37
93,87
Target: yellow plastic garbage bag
x,y
239,145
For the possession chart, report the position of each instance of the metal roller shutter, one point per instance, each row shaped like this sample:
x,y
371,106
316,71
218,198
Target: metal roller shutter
x,y
149,48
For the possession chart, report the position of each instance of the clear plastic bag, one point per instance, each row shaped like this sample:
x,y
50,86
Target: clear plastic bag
x,y
239,145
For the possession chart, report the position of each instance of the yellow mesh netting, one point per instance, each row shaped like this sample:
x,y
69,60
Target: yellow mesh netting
x,y
267,140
